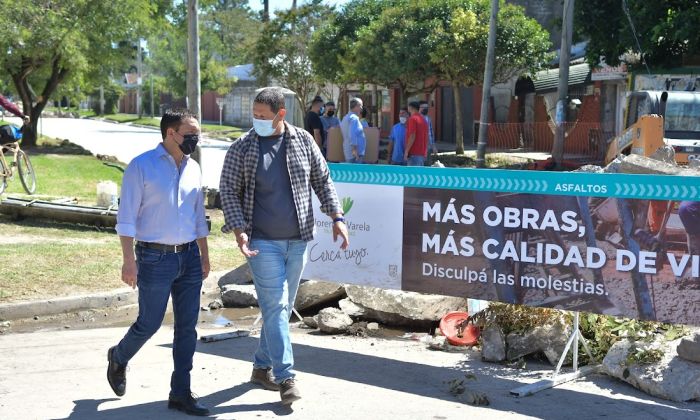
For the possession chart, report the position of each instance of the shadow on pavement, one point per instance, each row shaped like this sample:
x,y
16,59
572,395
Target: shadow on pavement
x,y
420,380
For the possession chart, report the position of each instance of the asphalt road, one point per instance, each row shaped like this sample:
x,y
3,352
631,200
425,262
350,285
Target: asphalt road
x,y
125,142
61,375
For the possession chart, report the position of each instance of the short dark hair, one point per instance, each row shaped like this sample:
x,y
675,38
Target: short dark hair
x,y
330,103
172,118
414,105
403,109
272,97
424,103
316,100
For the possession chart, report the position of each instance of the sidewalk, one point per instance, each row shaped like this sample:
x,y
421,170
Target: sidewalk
x,y
61,374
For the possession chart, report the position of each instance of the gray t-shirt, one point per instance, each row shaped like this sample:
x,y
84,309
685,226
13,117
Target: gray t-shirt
x,y
274,213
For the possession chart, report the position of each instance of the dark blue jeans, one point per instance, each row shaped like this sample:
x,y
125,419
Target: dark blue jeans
x,y
161,274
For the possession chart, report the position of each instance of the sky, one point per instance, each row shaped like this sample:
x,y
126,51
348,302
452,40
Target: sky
x,y
286,4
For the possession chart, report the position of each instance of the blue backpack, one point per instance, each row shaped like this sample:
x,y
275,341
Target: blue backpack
x,y
9,134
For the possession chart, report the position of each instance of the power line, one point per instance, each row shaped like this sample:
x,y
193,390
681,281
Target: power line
x,y
626,9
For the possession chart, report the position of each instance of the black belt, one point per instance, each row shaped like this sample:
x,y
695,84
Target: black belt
x,y
167,248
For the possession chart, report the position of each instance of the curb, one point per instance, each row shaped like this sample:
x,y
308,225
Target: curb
x,y
118,297
110,299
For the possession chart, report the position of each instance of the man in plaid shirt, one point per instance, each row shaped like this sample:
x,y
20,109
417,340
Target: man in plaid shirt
x,y
266,185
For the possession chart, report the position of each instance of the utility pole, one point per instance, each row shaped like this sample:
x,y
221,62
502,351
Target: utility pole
x,y
194,87
486,90
563,90
152,104
193,82
138,80
102,100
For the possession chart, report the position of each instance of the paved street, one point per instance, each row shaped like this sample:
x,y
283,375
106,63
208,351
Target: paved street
x,y
61,374
126,142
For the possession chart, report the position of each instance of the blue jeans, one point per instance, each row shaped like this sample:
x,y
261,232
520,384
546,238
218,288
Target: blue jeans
x,y
161,274
359,159
276,273
416,160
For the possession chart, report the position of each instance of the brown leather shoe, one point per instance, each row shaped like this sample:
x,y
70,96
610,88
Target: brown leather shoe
x,y
289,392
264,378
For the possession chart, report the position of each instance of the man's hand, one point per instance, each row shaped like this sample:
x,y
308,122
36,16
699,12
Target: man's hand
x,y
242,240
405,156
129,272
205,267
339,229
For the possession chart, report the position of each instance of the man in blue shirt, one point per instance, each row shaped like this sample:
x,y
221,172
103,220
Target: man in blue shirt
x,y
424,109
162,209
397,139
354,142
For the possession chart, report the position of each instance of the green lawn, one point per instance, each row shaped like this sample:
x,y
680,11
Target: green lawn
x,y
42,259
59,175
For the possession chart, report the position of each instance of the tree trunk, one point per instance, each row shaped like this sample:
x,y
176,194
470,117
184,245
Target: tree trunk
x,y
459,125
21,82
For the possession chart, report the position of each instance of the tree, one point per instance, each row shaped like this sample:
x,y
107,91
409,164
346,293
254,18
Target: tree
x,y
282,51
331,44
666,29
228,29
458,44
48,43
392,49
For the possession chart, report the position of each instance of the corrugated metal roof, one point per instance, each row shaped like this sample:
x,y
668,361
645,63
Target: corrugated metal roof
x,y
549,79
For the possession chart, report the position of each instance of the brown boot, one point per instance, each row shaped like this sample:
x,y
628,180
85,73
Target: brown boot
x,y
263,377
289,392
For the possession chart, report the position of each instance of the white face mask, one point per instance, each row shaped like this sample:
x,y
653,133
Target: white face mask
x,y
403,120
264,128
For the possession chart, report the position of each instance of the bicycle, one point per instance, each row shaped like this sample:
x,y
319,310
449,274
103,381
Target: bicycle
x,y
10,137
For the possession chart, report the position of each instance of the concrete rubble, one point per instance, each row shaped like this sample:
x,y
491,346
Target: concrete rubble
x,y
333,321
671,378
239,295
313,293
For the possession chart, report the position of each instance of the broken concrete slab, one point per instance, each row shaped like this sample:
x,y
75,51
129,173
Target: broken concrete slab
x,y
350,308
312,293
493,344
547,339
395,307
239,295
239,275
671,378
689,348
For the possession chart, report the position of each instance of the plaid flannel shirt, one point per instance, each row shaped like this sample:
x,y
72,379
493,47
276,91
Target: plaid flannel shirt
x,y
307,170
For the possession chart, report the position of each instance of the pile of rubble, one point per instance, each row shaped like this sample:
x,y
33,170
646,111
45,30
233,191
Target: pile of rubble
x,y
340,307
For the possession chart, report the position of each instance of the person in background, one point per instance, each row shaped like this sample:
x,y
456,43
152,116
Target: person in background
x,y
397,139
424,109
354,142
416,137
162,209
266,189
330,119
10,107
313,124
363,120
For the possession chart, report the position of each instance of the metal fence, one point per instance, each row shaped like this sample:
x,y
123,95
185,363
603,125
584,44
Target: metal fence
x,y
582,139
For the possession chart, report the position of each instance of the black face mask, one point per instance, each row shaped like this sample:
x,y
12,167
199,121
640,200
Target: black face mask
x,y
189,143
424,111
330,113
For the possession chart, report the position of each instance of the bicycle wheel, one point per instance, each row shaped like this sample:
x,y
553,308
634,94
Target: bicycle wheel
x,y
26,172
3,175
